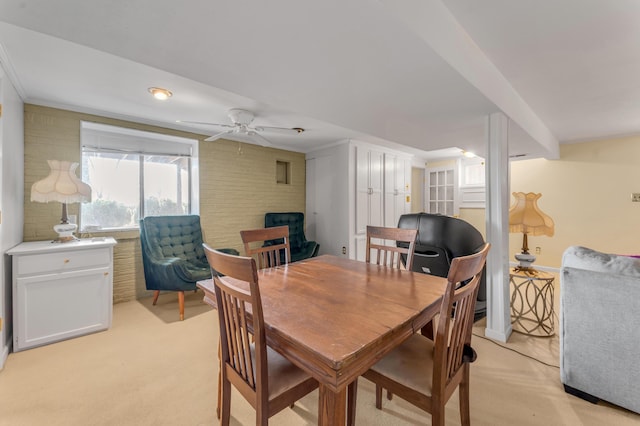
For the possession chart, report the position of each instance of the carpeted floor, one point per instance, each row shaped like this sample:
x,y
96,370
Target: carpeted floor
x,y
150,369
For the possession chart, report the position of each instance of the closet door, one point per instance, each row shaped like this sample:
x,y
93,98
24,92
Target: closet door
x,y
397,192
376,176
362,190
369,186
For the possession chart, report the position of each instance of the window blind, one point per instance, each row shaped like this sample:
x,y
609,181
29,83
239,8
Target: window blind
x,y
99,137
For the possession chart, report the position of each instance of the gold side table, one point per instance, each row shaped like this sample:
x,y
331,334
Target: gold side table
x,y
532,310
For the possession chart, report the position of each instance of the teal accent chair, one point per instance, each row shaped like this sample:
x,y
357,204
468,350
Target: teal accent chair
x,y
301,248
173,256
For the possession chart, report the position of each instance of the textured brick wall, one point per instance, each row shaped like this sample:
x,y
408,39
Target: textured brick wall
x,y
237,187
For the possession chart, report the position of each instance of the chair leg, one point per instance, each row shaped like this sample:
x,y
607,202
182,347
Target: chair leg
x,y
378,397
219,395
437,416
352,396
155,296
219,380
181,304
225,408
463,393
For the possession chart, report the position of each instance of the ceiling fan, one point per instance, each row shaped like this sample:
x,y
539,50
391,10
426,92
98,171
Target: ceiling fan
x,y
241,120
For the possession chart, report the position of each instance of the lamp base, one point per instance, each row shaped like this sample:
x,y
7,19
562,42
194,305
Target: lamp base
x,y
65,232
526,260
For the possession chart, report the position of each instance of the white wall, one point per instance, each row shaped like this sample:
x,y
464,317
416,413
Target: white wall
x,y
587,193
11,196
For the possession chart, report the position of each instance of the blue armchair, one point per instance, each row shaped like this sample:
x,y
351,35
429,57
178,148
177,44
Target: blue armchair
x,y
300,247
172,255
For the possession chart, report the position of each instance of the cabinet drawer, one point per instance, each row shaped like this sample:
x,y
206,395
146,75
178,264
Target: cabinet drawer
x,y
63,261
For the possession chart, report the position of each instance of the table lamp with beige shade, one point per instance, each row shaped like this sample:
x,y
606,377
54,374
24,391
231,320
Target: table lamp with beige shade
x,y
525,216
62,185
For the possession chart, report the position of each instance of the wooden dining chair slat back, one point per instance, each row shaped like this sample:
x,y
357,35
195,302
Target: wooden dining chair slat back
x,y
277,251
383,241
426,373
246,360
453,351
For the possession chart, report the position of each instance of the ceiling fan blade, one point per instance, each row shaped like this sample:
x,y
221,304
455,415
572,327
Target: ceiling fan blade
x,y
261,139
205,123
218,136
282,130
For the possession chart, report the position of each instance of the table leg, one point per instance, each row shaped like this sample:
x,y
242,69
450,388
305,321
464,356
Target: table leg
x,y
332,407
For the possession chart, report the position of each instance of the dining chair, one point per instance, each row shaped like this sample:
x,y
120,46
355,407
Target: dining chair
x,y
267,255
426,373
275,253
267,380
383,243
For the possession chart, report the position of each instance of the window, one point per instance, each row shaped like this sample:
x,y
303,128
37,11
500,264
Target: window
x,y
441,185
134,174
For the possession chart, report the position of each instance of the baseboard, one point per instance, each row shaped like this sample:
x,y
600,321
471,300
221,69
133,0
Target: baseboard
x,y
498,335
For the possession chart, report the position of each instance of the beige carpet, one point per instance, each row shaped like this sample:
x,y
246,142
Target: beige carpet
x,y
149,369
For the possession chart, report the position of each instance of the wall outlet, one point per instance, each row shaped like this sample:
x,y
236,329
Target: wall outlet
x,y
538,250
635,197
344,250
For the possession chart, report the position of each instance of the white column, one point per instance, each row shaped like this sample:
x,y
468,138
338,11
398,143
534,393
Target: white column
x,y
497,222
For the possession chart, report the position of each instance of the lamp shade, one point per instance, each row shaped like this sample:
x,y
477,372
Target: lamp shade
x,y
525,216
61,185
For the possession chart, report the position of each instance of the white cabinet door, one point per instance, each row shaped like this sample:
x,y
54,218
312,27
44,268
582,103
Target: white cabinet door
x,y
390,190
376,176
360,244
369,187
362,190
55,307
397,193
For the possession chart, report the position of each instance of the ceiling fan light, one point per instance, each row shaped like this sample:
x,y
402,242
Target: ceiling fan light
x,y
160,93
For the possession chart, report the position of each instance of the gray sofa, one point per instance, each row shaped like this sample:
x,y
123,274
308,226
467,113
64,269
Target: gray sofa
x,y
600,326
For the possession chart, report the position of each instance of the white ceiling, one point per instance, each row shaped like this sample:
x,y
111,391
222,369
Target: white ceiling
x,y
420,75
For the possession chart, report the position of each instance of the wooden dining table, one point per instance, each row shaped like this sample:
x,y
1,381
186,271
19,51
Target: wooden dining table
x,y
334,318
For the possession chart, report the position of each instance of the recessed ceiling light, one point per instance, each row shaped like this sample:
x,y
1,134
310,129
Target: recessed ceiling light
x,y
160,93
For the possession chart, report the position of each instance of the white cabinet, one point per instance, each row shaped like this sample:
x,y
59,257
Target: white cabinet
x,y
61,290
347,190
